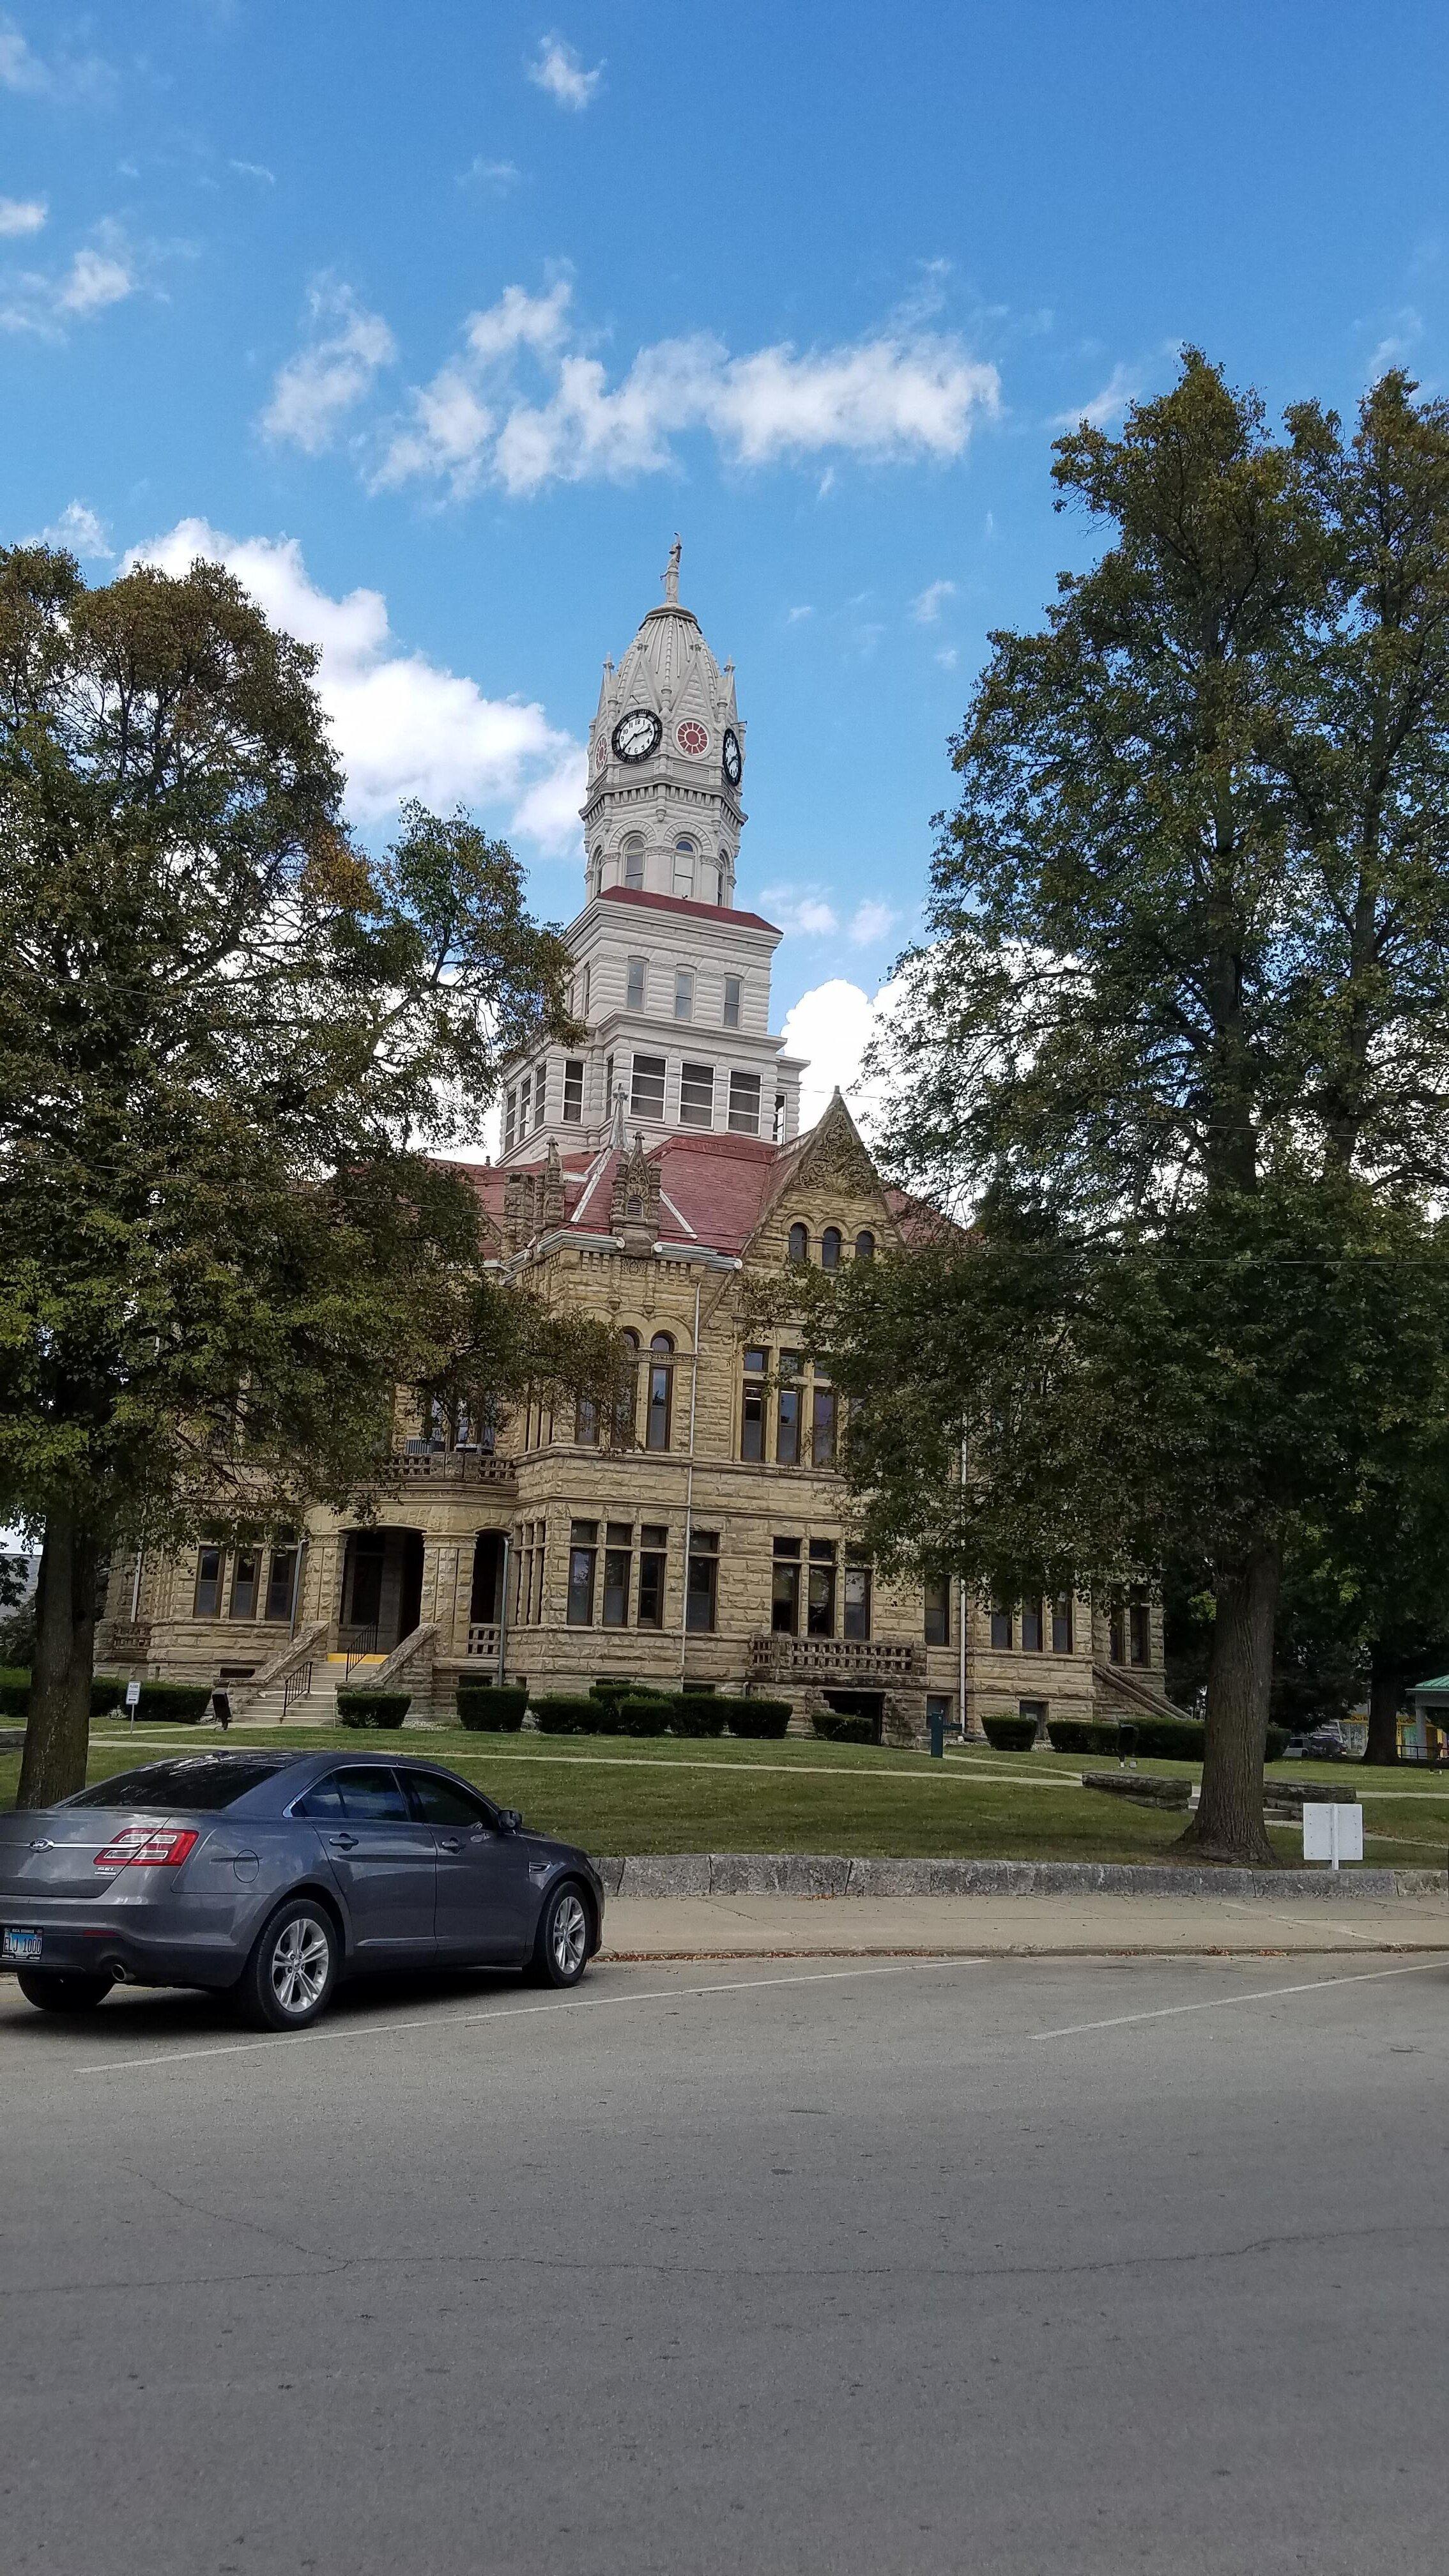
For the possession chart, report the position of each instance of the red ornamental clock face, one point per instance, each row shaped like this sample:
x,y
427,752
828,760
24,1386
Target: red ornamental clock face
x,y
692,737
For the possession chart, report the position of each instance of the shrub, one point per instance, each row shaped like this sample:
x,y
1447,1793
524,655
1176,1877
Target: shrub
x,y
562,1714
14,1694
758,1717
487,1709
698,1713
173,1703
645,1715
838,1728
373,1707
106,1694
1082,1735
1010,1734
1276,1744
1169,1739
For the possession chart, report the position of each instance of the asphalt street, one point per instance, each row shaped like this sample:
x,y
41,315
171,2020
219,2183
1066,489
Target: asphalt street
x,y
890,2266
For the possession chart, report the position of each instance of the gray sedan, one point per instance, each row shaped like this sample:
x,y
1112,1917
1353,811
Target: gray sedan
x,y
272,1875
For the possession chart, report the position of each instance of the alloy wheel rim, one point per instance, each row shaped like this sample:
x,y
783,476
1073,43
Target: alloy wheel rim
x,y
300,1962
570,1933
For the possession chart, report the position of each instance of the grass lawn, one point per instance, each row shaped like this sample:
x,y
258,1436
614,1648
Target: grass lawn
x,y
654,1795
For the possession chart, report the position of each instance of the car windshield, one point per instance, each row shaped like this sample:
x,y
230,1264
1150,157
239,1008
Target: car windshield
x,y
203,1783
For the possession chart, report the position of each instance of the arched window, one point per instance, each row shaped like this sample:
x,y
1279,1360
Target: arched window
x,y
684,858
626,1393
632,853
865,1245
830,1248
799,1243
596,870
661,1392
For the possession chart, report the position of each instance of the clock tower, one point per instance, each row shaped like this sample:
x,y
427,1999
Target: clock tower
x,y
671,980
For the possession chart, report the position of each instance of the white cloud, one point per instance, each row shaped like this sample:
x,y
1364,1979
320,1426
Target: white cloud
x,y
871,921
1397,346
81,531
927,605
20,69
800,909
1122,387
948,657
312,391
797,614
20,215
104,271
558,69
30,76
403,725
894,398
254,170
94,279
497,175
831,1026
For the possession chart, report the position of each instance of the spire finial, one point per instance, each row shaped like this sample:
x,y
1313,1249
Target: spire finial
x,y
670,575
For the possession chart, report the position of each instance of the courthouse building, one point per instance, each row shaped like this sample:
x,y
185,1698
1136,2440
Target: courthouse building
x,y
645,1176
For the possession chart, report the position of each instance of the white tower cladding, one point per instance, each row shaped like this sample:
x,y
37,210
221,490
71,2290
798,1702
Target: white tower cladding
x,y
671,981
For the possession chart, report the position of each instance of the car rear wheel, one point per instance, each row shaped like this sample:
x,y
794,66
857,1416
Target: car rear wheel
x,y
290,1975
57,1990
561,1951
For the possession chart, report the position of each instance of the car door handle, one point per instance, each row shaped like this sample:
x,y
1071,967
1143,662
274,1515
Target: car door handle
x,y
344,1842
449,1842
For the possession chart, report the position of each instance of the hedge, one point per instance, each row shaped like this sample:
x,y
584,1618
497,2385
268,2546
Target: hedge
x,y
838,1728
1082,1735
490,1709
645,1716
698,1713
373,1707
15,1694
1277,1742
1168,1739
759,1717
1010,1734
609,1686
173,1703
563,1714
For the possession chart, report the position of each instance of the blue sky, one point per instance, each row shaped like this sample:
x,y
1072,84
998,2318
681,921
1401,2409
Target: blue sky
x,y
444,318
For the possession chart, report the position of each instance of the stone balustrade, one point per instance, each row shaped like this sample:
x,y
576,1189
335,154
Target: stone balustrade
x,y
839,1663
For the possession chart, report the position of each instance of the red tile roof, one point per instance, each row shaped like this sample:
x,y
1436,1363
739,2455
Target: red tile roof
x,y
684,904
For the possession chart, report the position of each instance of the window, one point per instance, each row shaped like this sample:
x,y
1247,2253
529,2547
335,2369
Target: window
x,y
608,1086
1062,1624
1140,1632
245,1577
209,1564
524,1093
684,855
1000,1626
820,1598
538,1083
732,1002
586,1422
573,1093
596,870
282,1582
583,1552
830,1248
865,1245
683,993
661,1392
627,1394
1117,1622
744,1104
435,1801
371,1796
646,1099
634,988
799,1244
653,1543
856,1619
195,1783
1031,1628
634,860
618,1568
584,982
510,1119
787,1411
785,1589
752,1417
938,1711
701,1600
938,1610
696,1095
822,1426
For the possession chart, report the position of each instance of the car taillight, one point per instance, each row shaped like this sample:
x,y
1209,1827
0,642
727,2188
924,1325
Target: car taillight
x,y
146,1847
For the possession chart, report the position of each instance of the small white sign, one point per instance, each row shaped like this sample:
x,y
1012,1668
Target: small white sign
x,y
133,1693
1332,1833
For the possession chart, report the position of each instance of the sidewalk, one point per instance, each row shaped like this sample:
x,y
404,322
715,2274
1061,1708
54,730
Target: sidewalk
x,y
746,1927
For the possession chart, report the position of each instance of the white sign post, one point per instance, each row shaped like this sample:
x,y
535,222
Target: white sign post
x,y
1332,1833
133,1693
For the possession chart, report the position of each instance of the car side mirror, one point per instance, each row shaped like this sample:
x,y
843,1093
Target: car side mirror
x,y
509,1820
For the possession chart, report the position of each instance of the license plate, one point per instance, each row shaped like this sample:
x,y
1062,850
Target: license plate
x,y
22,1947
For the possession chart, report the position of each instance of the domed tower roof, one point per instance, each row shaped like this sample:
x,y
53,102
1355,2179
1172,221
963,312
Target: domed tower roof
x,y
666,746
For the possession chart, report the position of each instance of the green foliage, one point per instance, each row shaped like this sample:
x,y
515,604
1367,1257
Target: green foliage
x,y
699,1713
642,1714
173,1703
759,1717
1081,1735
611,1686
491,1709
1166,1739
839,1728
1010,1734
564,1713
106,1694
372,1707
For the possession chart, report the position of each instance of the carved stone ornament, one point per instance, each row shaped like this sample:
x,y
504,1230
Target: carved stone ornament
x,y
835,1153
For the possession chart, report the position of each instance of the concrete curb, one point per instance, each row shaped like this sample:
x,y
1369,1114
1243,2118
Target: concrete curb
x,y
824,1874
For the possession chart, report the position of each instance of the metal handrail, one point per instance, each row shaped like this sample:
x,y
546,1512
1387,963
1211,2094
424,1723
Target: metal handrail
x,y
363,1643
298,1685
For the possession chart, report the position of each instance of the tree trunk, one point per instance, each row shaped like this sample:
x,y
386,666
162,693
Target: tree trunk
x,y
1229,1825
1386,1683
57,1733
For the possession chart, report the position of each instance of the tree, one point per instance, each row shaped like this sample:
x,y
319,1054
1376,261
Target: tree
x,y
225,1034
1179,1035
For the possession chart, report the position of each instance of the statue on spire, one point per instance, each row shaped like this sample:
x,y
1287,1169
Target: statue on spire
x,y
670,574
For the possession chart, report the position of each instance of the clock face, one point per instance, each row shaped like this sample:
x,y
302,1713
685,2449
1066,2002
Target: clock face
x,y
637,734
733,756
692,737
